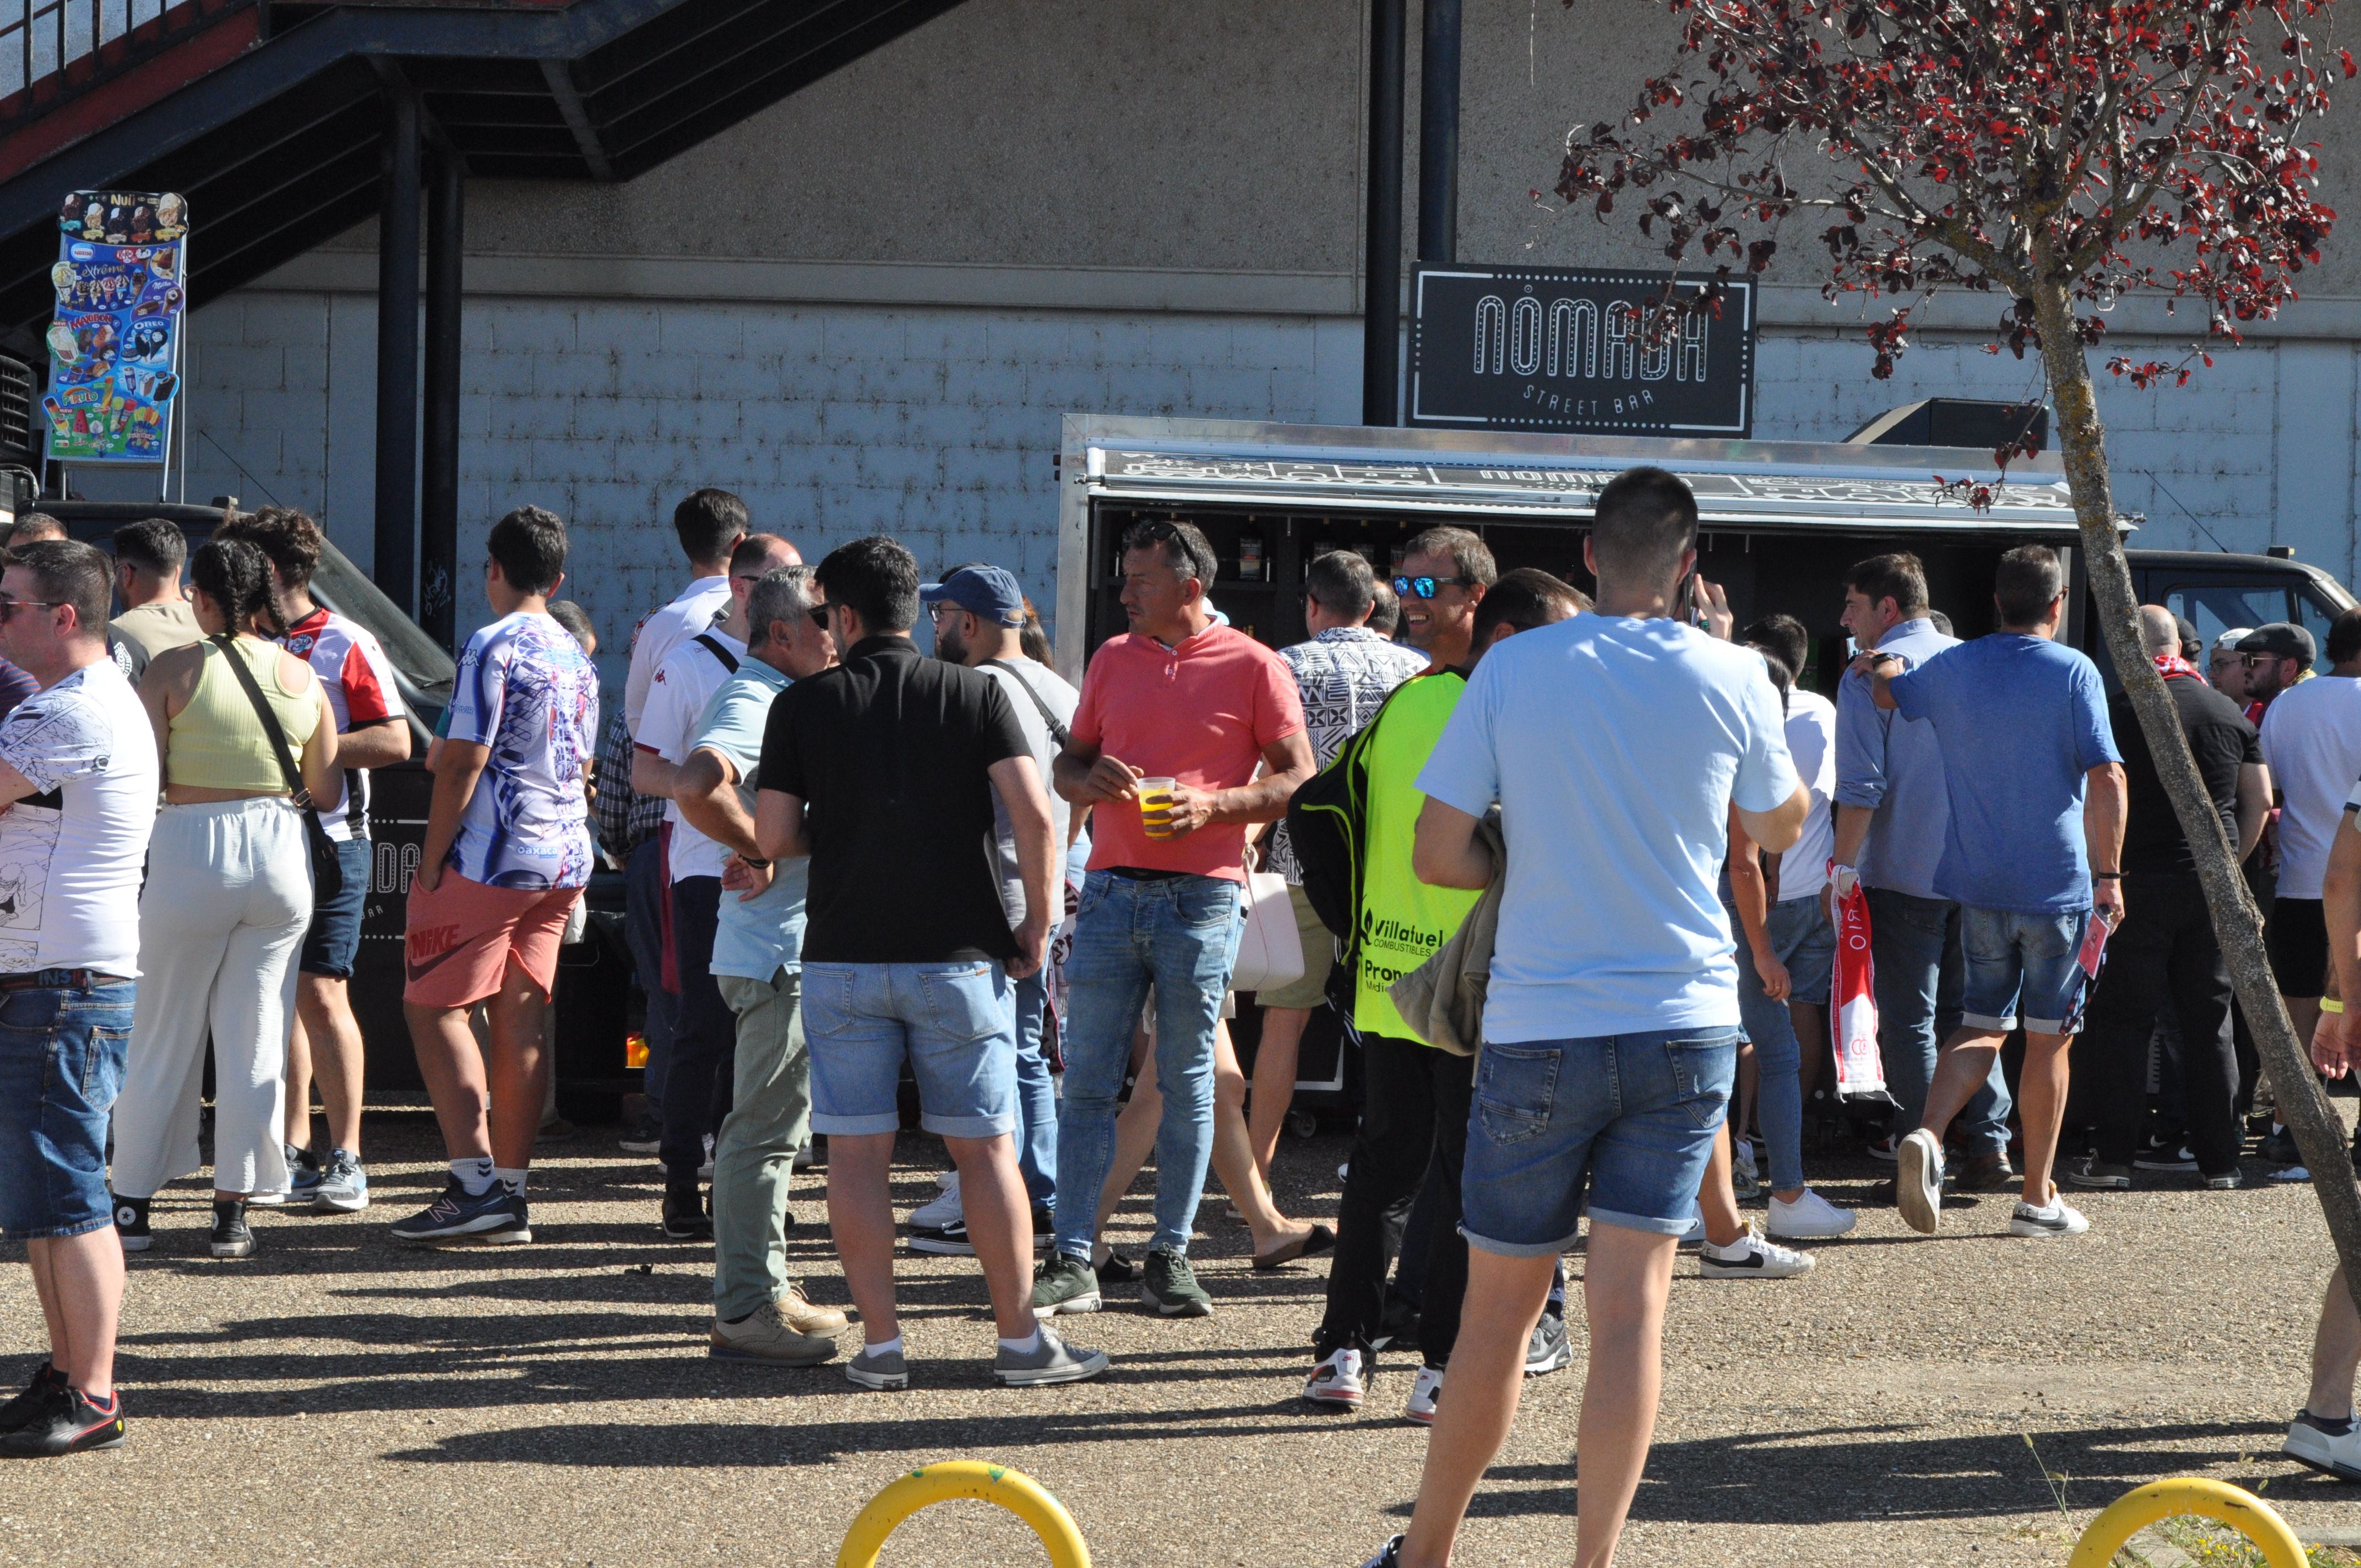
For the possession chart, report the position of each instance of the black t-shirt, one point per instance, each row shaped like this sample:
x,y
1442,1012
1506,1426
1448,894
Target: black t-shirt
x,y
890,752
2219,738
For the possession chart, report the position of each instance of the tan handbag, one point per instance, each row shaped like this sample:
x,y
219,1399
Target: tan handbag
x,y
1270,953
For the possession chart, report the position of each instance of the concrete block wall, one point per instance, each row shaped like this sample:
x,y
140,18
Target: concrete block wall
x,y
940,425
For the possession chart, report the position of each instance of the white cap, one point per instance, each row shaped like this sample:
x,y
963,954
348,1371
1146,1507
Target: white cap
x,y
2232,638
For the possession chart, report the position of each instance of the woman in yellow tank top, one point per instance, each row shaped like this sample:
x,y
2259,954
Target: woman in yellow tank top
x,y
227,900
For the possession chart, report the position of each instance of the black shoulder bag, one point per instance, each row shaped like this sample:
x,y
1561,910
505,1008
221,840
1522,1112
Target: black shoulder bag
x,y
1057,730
327,869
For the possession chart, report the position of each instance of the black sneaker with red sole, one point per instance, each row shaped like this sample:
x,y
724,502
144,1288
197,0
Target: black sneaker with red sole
x,y
70,1422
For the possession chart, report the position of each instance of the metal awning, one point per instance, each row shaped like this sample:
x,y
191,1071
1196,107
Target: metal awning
x,y
1553,478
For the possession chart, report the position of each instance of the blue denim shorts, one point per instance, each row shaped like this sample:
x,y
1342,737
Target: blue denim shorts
x,y
61,1068
333,940
955,1025
1630,1118
2022,966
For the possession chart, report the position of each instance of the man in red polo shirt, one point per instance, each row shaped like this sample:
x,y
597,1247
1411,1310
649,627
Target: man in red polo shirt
x,y
1174,721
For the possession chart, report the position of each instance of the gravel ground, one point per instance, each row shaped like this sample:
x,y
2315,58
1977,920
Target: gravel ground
x,y
339,1400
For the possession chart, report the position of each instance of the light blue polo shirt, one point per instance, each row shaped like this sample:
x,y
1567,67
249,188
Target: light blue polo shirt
x,y
755,938
1615,747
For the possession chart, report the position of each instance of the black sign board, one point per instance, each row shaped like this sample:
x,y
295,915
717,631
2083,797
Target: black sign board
x,y
1573,350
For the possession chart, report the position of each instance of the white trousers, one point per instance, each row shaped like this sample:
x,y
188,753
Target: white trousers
x,y
227,900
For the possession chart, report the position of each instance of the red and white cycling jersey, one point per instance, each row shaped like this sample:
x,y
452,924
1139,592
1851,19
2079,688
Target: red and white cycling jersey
x,y
359,680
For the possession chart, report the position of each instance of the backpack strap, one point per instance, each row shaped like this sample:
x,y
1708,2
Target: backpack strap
x,y
728,661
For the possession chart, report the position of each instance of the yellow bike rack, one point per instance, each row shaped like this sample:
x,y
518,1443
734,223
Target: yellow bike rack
x,y
994,1484
2137,1510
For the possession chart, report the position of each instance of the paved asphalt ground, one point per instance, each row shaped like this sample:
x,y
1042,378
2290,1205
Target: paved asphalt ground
x,y
339,1400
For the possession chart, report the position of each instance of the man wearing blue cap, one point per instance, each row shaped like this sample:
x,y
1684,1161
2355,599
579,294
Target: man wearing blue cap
x,y
978,612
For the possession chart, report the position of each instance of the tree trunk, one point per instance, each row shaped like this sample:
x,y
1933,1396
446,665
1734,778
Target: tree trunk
x,y
2319,1134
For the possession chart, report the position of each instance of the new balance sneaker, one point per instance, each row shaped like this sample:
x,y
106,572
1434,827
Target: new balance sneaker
x,y
807,1318
885,1372
941,1210
131,1224
2059,1219
231,1237
343,1185
1752,1257
25,1407
2162,1155
1810,1218
1339,1381
2097,1175
1064,1284
764,1336
644,1136
1388,1558
70,1422
1424,1389
303,1175
1549,1348
495,1217
1170,1287
1049,1361
1918,1182
2310,1441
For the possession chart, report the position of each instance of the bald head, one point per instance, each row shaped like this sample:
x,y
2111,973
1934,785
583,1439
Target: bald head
x,y
2160,634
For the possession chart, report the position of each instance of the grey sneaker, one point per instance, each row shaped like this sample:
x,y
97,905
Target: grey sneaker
x,y
871,1370
1170,1287
342,1187
1064,1285
1052,1363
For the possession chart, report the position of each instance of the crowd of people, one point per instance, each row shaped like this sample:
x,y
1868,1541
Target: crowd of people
x,y
849,863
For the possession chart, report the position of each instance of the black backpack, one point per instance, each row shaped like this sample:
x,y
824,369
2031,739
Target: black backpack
x,y
1327,821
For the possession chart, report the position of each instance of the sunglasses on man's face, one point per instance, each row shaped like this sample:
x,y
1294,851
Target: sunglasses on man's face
x,y
2256,660
819,613
1427,587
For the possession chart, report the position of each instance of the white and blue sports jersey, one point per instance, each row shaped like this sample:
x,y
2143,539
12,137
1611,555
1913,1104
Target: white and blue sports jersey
x,y
528,693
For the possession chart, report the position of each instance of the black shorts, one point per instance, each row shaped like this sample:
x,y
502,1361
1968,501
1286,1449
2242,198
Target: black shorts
x,y
2298,939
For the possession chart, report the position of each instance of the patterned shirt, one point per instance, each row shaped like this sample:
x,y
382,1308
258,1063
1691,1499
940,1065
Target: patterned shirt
x,y
1345,673
358,678
624,818
528,693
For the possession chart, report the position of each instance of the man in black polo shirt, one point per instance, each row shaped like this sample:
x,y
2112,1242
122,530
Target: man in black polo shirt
x,y
2166,945
883,770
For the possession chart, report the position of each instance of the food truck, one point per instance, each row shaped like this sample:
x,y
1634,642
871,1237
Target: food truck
x,y
1779,521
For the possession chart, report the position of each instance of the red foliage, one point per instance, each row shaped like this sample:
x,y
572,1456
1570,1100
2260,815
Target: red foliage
x,y
1995,145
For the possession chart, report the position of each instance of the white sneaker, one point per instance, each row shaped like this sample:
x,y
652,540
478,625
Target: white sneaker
x,y
947,1180
1337,1381
1694,1235
1752,1257
1808,1218
2060,1219
2338,1456
936,1212
1918,1182
1423,1390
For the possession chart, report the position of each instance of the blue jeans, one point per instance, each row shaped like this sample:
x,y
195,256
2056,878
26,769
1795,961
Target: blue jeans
x,y
1921,970
1630,1118
1181,934
61,1053
2024,964
955,1025
1802,940
1036,1094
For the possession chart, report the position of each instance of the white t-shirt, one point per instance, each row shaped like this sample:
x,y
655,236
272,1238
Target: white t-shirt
x,y
678,696
700,604
1812,742
1615,747
72,857
2312,739
1062,699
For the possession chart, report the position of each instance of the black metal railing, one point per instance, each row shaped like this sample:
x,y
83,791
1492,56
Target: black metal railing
x,y
55,49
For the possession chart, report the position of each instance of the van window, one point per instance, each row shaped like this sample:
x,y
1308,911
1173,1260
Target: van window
x,y
2315,617
2216,607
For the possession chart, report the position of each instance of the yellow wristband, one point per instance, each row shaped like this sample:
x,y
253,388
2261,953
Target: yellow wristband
x,y
2330,1005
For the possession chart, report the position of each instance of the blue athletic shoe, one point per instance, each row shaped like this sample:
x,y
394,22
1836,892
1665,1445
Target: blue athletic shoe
x,y
303,1174
495,1217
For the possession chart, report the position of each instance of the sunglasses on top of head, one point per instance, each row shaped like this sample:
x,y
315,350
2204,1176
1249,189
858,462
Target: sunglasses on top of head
x,y
1427,587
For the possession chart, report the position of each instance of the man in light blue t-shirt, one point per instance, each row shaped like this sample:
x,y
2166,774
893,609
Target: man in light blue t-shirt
x,y
1615,744
2034,846
759,1314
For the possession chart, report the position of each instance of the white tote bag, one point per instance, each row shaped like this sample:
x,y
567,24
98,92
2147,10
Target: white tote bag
x,y
1270,953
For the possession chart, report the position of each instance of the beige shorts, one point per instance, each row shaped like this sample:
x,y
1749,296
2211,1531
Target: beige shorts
x,y
1319,958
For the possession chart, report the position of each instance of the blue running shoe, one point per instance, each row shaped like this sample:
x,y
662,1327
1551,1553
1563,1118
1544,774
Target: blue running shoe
x,y
303,1174
496,1218
343,1186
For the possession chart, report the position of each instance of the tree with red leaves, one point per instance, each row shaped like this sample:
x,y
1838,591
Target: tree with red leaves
x,y
2058,155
